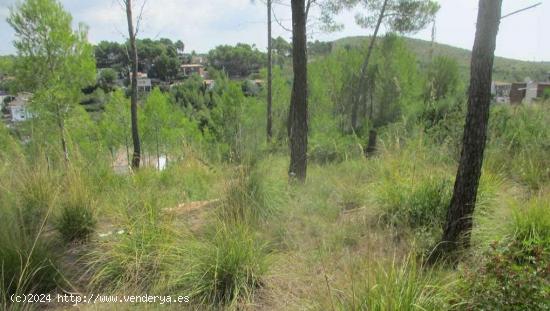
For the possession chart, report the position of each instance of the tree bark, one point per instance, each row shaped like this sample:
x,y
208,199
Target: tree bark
x,y
298,114
269,75
134,97
456,234
364,67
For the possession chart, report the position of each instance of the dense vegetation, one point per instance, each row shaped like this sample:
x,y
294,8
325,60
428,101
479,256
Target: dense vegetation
x,y
219,223
506,69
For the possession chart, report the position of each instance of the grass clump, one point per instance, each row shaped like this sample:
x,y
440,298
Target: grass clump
x,y
76,220
28,260
248,197
404,286
131,258
224,269
422,203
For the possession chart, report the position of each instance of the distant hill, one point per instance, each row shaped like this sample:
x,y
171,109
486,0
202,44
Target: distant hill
x,y
505,69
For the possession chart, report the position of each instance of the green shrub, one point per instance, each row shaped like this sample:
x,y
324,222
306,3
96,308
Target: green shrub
x,y
514,272
76,222
225,269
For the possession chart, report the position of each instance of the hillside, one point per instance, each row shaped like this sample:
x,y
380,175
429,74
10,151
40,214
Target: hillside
x,y
505,69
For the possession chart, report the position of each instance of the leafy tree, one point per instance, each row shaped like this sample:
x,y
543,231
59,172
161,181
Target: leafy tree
x,y
164,67
402,16
157,114
107,79
55,62
282,50
319,48
115,123
240,60
442,79
111,55
179,46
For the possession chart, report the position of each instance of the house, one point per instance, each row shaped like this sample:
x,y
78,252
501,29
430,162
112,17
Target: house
x,y
144,84
517,92
535,90
190,69
501,91
528,92
19,108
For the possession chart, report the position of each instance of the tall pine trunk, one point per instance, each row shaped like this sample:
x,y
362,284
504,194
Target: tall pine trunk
x,y
134,96
456,234
364,68
269,75
298,115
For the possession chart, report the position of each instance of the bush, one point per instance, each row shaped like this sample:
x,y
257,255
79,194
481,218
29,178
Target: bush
x,y
76,223
514,273
225,269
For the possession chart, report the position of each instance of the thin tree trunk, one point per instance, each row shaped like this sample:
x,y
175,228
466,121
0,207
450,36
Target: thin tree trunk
x,y
133,108
63,140
158,150
298,114
456,234
364,67
269,75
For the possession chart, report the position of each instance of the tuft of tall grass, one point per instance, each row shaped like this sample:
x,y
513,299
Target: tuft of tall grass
x,y
399,286
420,203
531,222
76,219
226,268
131,258
28,260
248,197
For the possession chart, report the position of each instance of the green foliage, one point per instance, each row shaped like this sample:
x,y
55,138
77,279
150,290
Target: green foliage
x,y
442,79
115,122
519,143
513,274
54,61
421,202
227,268
399,16
240,60
107,79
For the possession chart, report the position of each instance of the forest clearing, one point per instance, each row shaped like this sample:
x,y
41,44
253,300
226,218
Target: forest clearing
x,y
365,173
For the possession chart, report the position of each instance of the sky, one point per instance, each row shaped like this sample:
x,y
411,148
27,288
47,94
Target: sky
x,y
204,24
